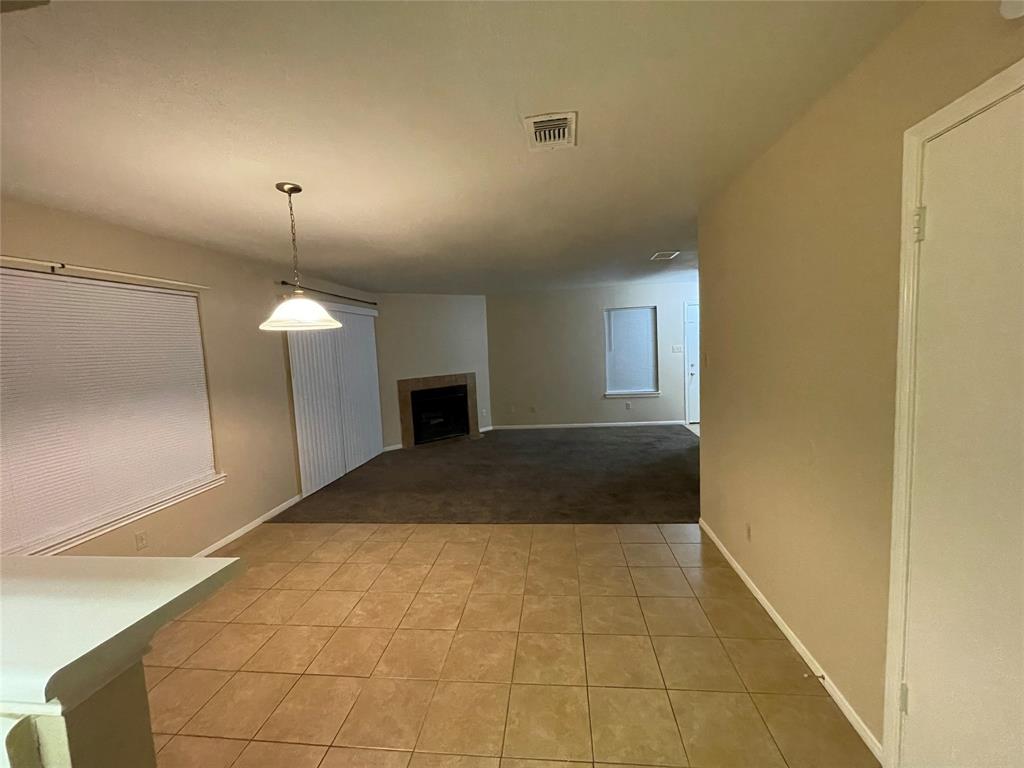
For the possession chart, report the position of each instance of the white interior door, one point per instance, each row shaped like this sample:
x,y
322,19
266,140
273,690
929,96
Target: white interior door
x,y
692,340
963,654
336,397
360,389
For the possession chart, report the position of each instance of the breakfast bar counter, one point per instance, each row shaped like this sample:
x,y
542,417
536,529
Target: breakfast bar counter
x,y
73,631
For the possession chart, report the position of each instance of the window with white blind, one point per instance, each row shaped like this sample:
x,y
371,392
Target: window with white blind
x,y
631,351
104,414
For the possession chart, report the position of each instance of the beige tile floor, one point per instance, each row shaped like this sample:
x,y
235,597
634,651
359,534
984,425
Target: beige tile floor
x,y
486,646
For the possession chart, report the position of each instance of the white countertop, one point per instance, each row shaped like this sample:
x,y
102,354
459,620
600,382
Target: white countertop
x,y
69,625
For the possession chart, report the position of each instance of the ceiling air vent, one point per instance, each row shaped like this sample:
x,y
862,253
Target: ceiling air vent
x,y
552,131
665,255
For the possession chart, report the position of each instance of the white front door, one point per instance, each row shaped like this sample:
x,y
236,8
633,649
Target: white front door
x,y
692,339
963,654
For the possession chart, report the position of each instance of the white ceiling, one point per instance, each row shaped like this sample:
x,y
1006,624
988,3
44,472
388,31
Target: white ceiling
x,y
403,123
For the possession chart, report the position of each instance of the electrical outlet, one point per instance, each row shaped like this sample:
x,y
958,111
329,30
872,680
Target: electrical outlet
x,y
141,542
629,406
677,347
483,411
748,531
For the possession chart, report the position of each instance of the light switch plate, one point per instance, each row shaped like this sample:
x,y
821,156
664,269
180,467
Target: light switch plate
x,y
677,347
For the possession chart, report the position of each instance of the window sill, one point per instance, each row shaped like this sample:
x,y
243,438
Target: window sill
x,y
614,395
65,540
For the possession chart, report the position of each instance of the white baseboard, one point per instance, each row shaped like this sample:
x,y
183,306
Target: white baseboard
x,y
592,424
845,707
248,527
486,429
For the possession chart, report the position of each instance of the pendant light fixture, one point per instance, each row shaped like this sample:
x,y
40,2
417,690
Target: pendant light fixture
x,y
297,313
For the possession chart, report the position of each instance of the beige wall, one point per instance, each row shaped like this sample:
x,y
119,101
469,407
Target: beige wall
x,y
548,361
246,370
430,335
799,280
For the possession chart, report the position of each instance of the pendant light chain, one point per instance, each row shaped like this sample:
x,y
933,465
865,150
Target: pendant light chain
x,y
295,247
297,312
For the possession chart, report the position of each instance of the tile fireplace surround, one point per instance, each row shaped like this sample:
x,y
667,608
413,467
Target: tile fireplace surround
x,y
407,386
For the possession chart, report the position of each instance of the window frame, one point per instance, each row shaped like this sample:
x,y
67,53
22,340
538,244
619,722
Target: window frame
x,y
606,315
93,525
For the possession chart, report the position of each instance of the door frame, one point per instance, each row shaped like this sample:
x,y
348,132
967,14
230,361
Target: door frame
x,y
993,91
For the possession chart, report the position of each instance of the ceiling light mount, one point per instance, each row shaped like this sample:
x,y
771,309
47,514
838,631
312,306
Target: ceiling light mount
x,y
288,187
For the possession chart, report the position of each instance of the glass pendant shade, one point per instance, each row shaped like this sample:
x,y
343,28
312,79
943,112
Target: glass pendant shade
x,y
297,313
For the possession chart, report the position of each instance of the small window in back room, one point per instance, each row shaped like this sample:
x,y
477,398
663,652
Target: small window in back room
x,y
631,350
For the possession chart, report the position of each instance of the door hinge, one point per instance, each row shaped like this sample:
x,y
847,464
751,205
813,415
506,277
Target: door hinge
x,y
904,693
920,216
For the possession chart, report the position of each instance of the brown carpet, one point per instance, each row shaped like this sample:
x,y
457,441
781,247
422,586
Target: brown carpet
x,y
601,475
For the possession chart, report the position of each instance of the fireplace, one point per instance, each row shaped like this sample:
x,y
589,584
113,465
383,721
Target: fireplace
x,y
435,407
439,412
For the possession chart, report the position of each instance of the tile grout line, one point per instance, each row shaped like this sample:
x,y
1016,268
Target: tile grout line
x,y
746,688
359,695
753,702
454,632
437,683
226,683
586,671
512,677
248,659
317,654
205,702
336,629
675,720
272,711
811,696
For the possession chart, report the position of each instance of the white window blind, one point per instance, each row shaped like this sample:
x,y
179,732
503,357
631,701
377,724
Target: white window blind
x,y
631,350
103,406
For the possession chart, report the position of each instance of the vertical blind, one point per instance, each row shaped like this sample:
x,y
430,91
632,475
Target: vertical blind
x,y
337,397
360,389
103,406
631,350
315,363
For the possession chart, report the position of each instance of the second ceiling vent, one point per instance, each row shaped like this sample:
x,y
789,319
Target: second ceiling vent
x,y
552,131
